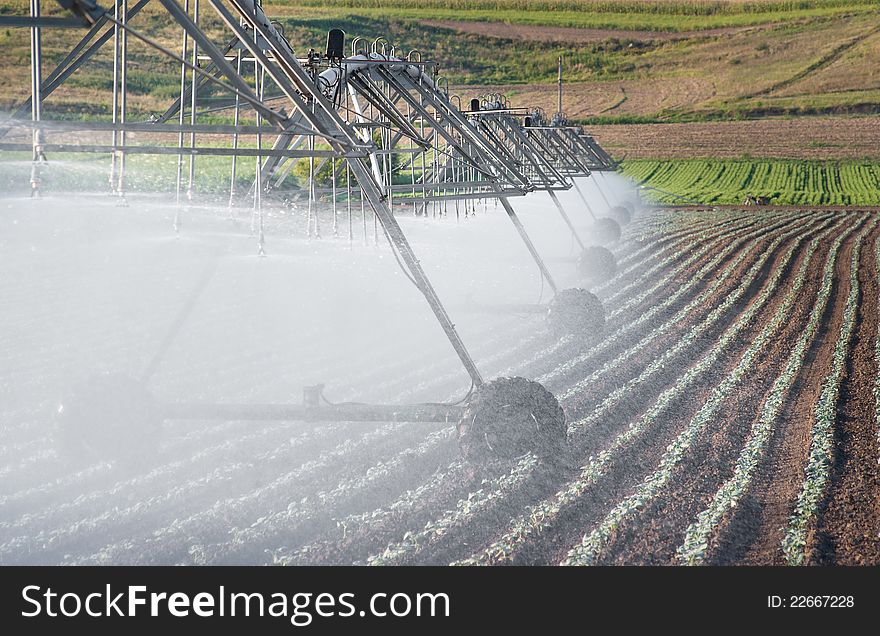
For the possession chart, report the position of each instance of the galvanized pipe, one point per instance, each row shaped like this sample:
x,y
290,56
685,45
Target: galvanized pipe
x,y
36,100
301,413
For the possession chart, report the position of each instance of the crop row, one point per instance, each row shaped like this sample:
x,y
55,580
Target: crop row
x,y
178,491
610,339
787,181
283,522
699,534
616,337
692,258
191,447
471,505
593,543
484,498
315,512
540,517
818,469
102,523
272,522
660,247
354,485
662,308
877,350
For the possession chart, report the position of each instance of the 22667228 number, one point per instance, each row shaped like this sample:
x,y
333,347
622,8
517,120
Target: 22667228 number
x,y
818,600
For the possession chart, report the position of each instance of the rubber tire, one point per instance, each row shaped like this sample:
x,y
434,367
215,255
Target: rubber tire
x,y
509,417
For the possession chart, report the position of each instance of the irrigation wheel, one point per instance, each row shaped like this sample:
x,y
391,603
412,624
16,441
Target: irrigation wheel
x,y
576,312
596,265
621,214
509,417
109,417
606,231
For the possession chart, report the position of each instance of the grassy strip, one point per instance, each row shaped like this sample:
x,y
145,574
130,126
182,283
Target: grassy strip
x,y
644,16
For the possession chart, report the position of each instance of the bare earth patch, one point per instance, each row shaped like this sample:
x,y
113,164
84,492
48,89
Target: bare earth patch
x,y
624,97
800,138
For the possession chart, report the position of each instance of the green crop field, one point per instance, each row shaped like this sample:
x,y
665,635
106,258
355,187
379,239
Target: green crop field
x,y
787,182
665,15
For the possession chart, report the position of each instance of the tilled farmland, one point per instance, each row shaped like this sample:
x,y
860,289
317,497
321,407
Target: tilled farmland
x,y
726,415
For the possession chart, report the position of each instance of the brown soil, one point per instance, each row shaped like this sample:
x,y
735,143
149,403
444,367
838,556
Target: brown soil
x,y
846,529
848,522
753,535
641,457
656,534
801,138
550,546
849,530
644,96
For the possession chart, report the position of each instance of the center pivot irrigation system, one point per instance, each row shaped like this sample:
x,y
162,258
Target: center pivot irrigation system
x,y
391,137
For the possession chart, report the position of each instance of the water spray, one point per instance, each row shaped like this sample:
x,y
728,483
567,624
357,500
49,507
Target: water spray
x,y
376,115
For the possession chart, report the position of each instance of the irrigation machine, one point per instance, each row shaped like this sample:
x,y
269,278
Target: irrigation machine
x,y
380,133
